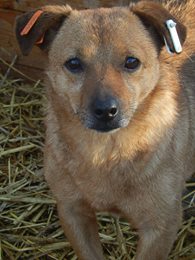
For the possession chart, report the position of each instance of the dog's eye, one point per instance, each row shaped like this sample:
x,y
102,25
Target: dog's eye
x,y
132,63
74,65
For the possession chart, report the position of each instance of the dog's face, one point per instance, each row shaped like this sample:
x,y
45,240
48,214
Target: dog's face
x,y
105,68
103,63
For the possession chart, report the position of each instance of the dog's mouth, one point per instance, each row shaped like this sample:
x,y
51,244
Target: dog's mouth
x,y
104,126
108,126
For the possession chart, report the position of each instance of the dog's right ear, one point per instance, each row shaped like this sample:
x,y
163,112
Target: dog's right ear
x,y
39,26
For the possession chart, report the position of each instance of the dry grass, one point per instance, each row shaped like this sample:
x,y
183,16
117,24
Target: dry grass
x,y
29,227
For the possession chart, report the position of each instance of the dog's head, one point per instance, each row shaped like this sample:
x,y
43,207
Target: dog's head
x,y
104,62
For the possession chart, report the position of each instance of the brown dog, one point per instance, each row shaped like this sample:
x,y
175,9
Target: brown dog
x,y
120,119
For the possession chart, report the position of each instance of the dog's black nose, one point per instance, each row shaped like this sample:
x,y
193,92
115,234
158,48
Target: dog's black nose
x,y
105,110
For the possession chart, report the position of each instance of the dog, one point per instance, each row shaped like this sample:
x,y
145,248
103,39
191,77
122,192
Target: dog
x,y
120,123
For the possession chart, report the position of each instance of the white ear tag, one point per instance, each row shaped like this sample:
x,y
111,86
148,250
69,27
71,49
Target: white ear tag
x,y
171,25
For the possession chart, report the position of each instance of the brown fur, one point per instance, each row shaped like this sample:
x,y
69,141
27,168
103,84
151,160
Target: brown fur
x,y
140,169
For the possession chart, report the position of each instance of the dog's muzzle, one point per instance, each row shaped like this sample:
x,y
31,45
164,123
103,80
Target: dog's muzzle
x,y
104,115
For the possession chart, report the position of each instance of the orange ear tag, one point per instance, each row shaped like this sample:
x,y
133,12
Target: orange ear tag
x,y
31,23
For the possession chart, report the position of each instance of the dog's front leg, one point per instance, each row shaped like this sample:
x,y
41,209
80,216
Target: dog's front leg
x,y
154,246
80,226
76,216
156,241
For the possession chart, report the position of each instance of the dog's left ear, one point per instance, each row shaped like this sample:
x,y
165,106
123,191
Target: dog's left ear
x,y
155,15
40,26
